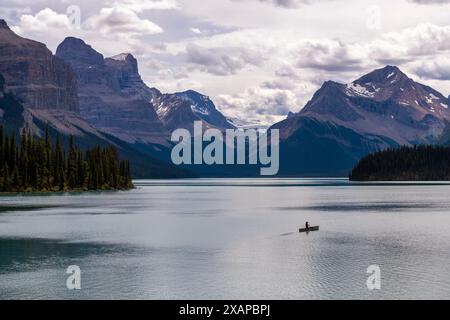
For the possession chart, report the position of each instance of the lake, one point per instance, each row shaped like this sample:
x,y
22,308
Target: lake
x,y
229,239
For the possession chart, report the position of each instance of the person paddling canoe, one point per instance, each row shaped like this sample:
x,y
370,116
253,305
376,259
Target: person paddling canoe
x,y
309,228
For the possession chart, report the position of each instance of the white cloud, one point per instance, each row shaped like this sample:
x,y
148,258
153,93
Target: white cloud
x,y
111,21
143,5
267,101
289,3
111,30
44,21
121,20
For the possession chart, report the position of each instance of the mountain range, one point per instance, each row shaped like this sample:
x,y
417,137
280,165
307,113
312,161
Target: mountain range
x,y
103,100
344,122
97,100
114,98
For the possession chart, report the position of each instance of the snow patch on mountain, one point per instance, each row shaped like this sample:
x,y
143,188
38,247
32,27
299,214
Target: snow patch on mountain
x,y
353,89
202,109
121,57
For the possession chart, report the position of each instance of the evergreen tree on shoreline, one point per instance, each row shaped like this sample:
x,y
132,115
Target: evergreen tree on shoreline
x,y
417,163
34,164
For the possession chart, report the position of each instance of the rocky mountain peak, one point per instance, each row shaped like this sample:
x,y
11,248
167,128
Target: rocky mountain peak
x,y
385,84
112,95
181,109
387,76
126,57
3,24
34,75
124,61
77,51
200,103
330,85
390,85
384,108
328,89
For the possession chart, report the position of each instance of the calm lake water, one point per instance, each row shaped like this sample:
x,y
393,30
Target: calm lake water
x,y
229,239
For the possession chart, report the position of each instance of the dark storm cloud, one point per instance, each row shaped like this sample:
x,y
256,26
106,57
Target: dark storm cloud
x,y
436,70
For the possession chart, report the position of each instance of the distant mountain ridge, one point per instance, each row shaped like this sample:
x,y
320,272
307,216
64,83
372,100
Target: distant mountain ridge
x,y
344,122
104,100
203,107
182,109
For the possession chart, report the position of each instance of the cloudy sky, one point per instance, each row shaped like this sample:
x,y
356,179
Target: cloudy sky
x,y
257,59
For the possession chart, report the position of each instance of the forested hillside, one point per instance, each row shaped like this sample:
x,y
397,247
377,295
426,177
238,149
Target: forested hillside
x,y
418,163
38,164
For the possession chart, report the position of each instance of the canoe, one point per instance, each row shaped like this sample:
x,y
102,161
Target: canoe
x,y
316,228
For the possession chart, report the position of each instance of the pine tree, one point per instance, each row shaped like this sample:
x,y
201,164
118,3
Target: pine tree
x,y
2,150
48,157
72,171
5,180
422,163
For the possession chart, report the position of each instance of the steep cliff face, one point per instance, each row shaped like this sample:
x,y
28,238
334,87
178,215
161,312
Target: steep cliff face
x,y
14,116
39,90
34,75
112,95
127,79
114,98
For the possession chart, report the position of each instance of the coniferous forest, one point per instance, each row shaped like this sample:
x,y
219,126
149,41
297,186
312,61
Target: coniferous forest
x,y
418,163
38,165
